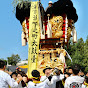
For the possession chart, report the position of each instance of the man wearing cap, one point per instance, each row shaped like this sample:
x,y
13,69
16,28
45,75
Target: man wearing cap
x,y
47,71
51,80
50,5
36,83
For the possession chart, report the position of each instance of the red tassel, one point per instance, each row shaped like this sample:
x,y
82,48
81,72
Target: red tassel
x,y
63,32
64,21
63,36
64,25
63,28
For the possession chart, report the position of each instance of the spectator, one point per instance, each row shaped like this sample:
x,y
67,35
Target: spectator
x,y
74,81
18,69
85,84
14,78
59,83
52,78
81,74
14,75
5,79
70,70
22,83
50,5
25,79
47,71
36,81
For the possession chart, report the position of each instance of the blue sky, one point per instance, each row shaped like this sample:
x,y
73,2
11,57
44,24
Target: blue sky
x,y
10,27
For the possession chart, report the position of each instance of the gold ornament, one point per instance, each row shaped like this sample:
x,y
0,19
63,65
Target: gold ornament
x,y
56,24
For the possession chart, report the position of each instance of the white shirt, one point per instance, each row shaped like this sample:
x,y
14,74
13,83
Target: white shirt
x,y
43,78
20,85
84,86
13,81
74,81
61,76
39,85
52,83
5,80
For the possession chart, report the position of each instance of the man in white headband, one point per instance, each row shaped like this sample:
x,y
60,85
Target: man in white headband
x,y
50,5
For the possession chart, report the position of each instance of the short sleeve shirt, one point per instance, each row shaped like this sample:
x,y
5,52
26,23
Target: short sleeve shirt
x,y
74,82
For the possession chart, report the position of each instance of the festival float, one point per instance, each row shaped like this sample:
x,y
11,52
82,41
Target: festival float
x,y
46,33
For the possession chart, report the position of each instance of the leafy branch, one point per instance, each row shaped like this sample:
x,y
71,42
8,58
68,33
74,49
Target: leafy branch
x,y
16,2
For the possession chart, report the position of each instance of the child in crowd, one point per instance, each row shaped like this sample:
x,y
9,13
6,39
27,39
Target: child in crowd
x,y
22,84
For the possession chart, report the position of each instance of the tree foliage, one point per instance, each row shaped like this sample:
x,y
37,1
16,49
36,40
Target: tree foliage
x,y
15,2
78,53
14,59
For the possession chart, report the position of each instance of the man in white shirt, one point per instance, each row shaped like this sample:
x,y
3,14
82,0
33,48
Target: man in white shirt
x,y
74,81
53,79
5,79
36,83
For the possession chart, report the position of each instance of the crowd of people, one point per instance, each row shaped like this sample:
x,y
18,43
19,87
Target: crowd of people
x,y
72,77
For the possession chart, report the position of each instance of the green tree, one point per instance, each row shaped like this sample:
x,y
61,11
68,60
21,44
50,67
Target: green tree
x,y
78,55
25,64
85,60
76,51
14,59
71,49
20,2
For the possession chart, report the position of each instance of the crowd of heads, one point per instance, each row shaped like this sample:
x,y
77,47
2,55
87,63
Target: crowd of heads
x,y
72,70
16,74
